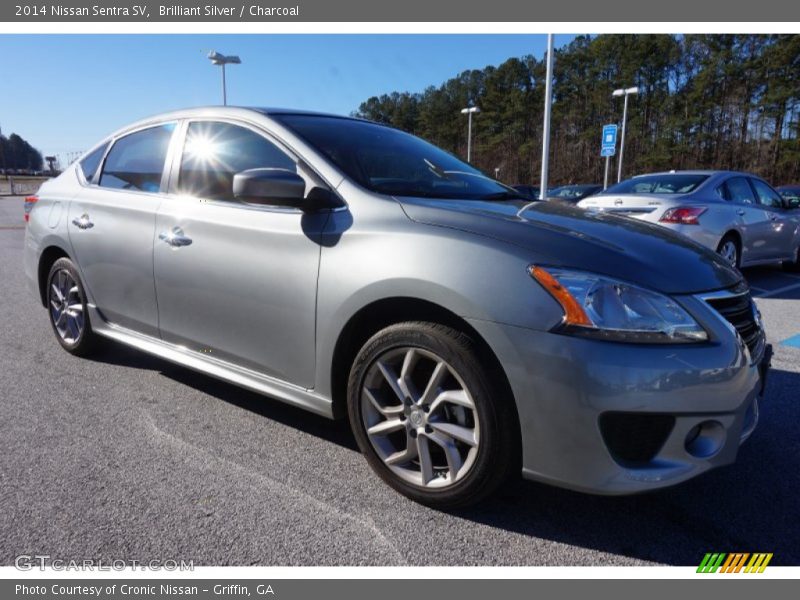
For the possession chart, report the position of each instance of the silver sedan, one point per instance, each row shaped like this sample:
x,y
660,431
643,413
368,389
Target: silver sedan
x,y
737,214
353,270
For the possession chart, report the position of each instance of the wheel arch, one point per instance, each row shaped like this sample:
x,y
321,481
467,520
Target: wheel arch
x,y
736,235
387,311
46,259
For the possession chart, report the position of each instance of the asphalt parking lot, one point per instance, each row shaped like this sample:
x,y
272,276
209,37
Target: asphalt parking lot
x,y
129,457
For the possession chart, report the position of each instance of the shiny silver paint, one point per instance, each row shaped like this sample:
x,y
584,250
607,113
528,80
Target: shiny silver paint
x,y
261,296
767,234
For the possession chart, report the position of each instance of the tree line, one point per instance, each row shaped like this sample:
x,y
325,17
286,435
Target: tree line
x,y
705,102
17,154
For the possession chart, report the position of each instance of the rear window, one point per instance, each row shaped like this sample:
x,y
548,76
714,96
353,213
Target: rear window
x,y
667,183
90,163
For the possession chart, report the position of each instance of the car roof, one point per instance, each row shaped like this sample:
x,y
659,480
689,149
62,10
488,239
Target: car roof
x,y
212,111
709,172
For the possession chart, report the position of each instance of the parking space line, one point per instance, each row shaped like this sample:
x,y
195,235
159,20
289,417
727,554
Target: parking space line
x,y
780,290
792,341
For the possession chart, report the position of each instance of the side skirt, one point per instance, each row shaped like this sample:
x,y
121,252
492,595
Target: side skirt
x,y
246,378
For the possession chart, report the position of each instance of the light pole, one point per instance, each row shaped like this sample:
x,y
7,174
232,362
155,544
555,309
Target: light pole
x,y
616,93
548,101
221,60
469,112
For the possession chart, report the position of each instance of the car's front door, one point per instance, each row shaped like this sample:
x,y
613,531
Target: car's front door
x,y
236,281
781,224
112,223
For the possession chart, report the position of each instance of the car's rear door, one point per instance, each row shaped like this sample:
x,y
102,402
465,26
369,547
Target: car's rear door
x,y
236,281
112,223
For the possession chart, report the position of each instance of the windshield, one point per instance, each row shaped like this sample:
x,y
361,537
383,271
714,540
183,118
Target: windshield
x,y
665,183
389,161
570,191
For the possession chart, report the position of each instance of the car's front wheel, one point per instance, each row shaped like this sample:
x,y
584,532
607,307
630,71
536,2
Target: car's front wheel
x,y
66,303
428,418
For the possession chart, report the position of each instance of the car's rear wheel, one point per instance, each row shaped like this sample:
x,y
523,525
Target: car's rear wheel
x,y
66,304
428,419
729,250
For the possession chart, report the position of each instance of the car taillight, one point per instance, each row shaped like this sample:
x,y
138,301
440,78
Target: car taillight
x,y
683,215
29,202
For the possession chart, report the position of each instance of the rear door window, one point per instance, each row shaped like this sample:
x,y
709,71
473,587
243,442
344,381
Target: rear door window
x,y
739,191
136,161
90,163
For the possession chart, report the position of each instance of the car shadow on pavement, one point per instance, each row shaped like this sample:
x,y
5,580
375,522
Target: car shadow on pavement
x,y
337,432
750,506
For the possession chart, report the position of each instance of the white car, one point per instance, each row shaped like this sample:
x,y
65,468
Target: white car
x,y
737,214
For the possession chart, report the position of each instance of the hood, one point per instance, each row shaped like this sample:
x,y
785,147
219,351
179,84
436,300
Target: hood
x,y
564,235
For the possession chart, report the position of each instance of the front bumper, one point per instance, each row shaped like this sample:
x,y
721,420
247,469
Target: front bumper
x,y
703,399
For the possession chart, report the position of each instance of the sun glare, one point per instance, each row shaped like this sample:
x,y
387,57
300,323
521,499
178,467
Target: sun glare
x,y
202,148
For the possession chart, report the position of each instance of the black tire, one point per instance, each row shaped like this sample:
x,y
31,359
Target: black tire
x,y
733,239
87,340
497,455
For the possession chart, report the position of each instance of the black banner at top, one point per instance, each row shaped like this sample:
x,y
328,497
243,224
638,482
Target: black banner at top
x,y
406,11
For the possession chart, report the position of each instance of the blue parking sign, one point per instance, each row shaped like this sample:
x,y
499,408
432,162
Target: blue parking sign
x,y
608,144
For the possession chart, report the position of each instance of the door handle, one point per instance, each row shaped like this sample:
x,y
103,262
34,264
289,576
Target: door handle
x,y
740,212
175,237
773,217
82,222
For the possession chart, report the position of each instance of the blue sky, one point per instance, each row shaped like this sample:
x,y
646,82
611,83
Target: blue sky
x,y
65,92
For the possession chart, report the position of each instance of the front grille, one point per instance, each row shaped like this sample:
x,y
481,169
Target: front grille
x,y
635,438
740,312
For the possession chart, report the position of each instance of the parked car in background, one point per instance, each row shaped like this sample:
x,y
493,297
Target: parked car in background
x,y
790,193
529,191
574,192
737,214
352,269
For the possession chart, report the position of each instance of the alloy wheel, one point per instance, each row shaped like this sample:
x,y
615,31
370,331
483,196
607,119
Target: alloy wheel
x,y
730,252
420,417
66,306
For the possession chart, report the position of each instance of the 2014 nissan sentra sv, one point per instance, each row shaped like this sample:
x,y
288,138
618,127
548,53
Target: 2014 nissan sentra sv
x,y
352,269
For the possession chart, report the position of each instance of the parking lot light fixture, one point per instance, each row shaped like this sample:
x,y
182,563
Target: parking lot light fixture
x,y
617,93
469,111
221,60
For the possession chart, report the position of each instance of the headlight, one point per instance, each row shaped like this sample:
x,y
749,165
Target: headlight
x,y
601,307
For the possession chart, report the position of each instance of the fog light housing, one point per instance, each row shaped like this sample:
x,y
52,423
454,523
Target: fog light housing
x,y
705,439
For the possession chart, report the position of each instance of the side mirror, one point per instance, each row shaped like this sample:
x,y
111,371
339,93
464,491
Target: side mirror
x,y
278,187
790,202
